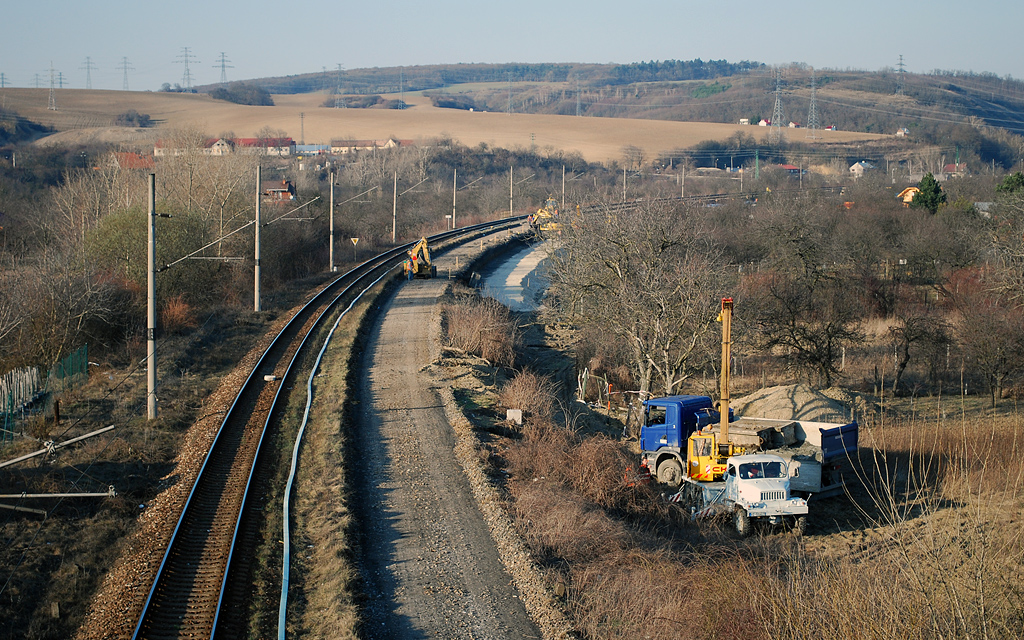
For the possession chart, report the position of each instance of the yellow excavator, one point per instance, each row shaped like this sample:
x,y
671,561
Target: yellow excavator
x,y
419,261
546,219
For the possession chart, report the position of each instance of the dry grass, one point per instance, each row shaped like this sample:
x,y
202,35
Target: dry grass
x,y
597,139
944,554
941,555
580,516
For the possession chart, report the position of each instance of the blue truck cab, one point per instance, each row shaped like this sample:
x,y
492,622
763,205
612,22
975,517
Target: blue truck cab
x,y
667,423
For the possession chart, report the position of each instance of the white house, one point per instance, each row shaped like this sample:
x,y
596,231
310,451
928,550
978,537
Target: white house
x,y
859,168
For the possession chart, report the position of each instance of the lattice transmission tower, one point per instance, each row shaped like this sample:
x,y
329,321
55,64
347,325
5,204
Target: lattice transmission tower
x,y
88,66
812,111
901,70
125,68
52,106
222,62
339,100
578,110
185,58
775,134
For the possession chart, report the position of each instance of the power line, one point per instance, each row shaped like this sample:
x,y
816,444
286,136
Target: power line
x,y
89,66
224,66
125,67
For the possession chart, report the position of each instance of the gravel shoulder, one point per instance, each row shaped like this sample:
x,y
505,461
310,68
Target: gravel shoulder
x,y
429,566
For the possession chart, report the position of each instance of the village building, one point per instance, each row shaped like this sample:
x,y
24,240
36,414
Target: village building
x,y
858,169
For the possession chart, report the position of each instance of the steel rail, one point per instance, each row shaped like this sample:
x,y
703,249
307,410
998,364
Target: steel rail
x,y
170,609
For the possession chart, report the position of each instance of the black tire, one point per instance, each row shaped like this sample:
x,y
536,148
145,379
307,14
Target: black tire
x,y
800,525
670,473
741,521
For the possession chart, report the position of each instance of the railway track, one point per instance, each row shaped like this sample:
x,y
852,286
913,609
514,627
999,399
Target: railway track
x,y
203,581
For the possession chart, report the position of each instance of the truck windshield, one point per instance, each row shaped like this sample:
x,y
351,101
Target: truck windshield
x,y
702,446
655,415
750,470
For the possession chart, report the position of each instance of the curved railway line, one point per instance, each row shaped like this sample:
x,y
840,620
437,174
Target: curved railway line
x,y
202,582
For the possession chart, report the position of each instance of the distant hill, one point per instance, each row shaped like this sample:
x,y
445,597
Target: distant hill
x,y
977,115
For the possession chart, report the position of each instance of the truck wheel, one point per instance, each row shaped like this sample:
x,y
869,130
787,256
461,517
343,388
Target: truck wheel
x,y
800,525
742,522
670,473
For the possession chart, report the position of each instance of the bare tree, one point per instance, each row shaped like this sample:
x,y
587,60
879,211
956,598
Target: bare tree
x,y
990,331
803,303
913,329
648,276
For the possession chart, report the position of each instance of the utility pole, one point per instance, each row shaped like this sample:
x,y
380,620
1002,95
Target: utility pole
x,y
563,187
333,269
510,191
394,213
3,81
623,184
125,67
455,188
151,408
302,127
89,66
256,269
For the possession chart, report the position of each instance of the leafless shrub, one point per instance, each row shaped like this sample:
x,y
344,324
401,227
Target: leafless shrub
x,y
483,327
178,315
544,451
530,392
598,471
562,525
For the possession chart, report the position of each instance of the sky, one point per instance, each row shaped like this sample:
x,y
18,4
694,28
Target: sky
x,y
260,38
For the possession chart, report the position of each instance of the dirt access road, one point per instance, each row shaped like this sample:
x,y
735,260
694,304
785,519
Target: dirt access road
x,y
429,565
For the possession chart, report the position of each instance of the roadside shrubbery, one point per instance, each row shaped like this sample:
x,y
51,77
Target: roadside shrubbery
x,y
482,327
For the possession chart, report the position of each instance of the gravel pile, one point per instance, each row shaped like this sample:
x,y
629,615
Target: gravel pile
x,y
791,402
